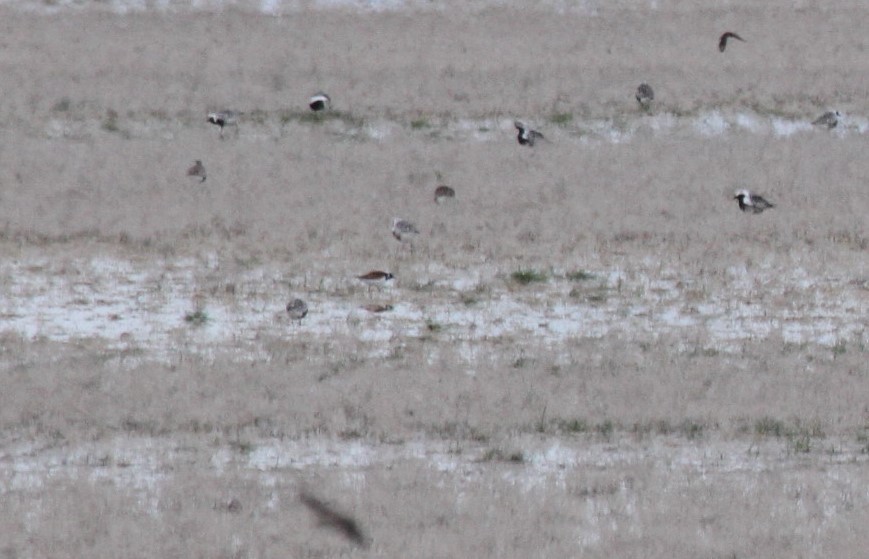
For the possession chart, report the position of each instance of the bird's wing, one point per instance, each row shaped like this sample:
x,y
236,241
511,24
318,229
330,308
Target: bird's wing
x,y
333,519
722,42
761,202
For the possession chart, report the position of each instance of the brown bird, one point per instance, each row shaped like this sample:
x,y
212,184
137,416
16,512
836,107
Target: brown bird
x,y
297,309
722,42
829,119
197,170
330,518
377,308
375,276
376,279
443,193
645,95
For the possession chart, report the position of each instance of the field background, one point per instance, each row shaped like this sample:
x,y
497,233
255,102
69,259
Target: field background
x,y
591,352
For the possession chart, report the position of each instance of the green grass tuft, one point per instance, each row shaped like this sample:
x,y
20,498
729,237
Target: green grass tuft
x,y
767,426
499,455
605,428
575,425
561,119
196,318
580,275
110,123
524,277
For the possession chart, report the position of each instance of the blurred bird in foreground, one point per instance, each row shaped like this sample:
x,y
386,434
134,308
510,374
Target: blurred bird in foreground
x,y
330,518
722,41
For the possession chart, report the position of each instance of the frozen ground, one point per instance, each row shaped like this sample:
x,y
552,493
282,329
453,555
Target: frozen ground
x,y
143,304
626,128
141,464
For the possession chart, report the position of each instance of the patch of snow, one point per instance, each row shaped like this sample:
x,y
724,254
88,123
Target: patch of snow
x,y
711,124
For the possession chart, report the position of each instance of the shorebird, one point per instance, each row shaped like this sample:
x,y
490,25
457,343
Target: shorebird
x,y
443,193
645,95
197,170
403,230
526,136
829,119
375,278
319,101
330,518
377,308
753,203
722,41
297,309
224,118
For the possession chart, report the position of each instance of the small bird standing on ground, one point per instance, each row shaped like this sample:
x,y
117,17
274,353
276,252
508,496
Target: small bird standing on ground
x,y
375,278
297,309
830,119
722,41
753,203
526,136
645,95
319,101
224,118
330,518
197,171
443,193
403,230
377,308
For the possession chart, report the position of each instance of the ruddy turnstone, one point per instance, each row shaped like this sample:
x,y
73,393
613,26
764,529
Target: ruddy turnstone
x,y
375,278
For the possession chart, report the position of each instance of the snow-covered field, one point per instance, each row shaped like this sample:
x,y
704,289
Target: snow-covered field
x,y
148,305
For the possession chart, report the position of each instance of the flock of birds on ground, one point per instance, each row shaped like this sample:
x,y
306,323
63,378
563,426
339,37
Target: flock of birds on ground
x,y
404,231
